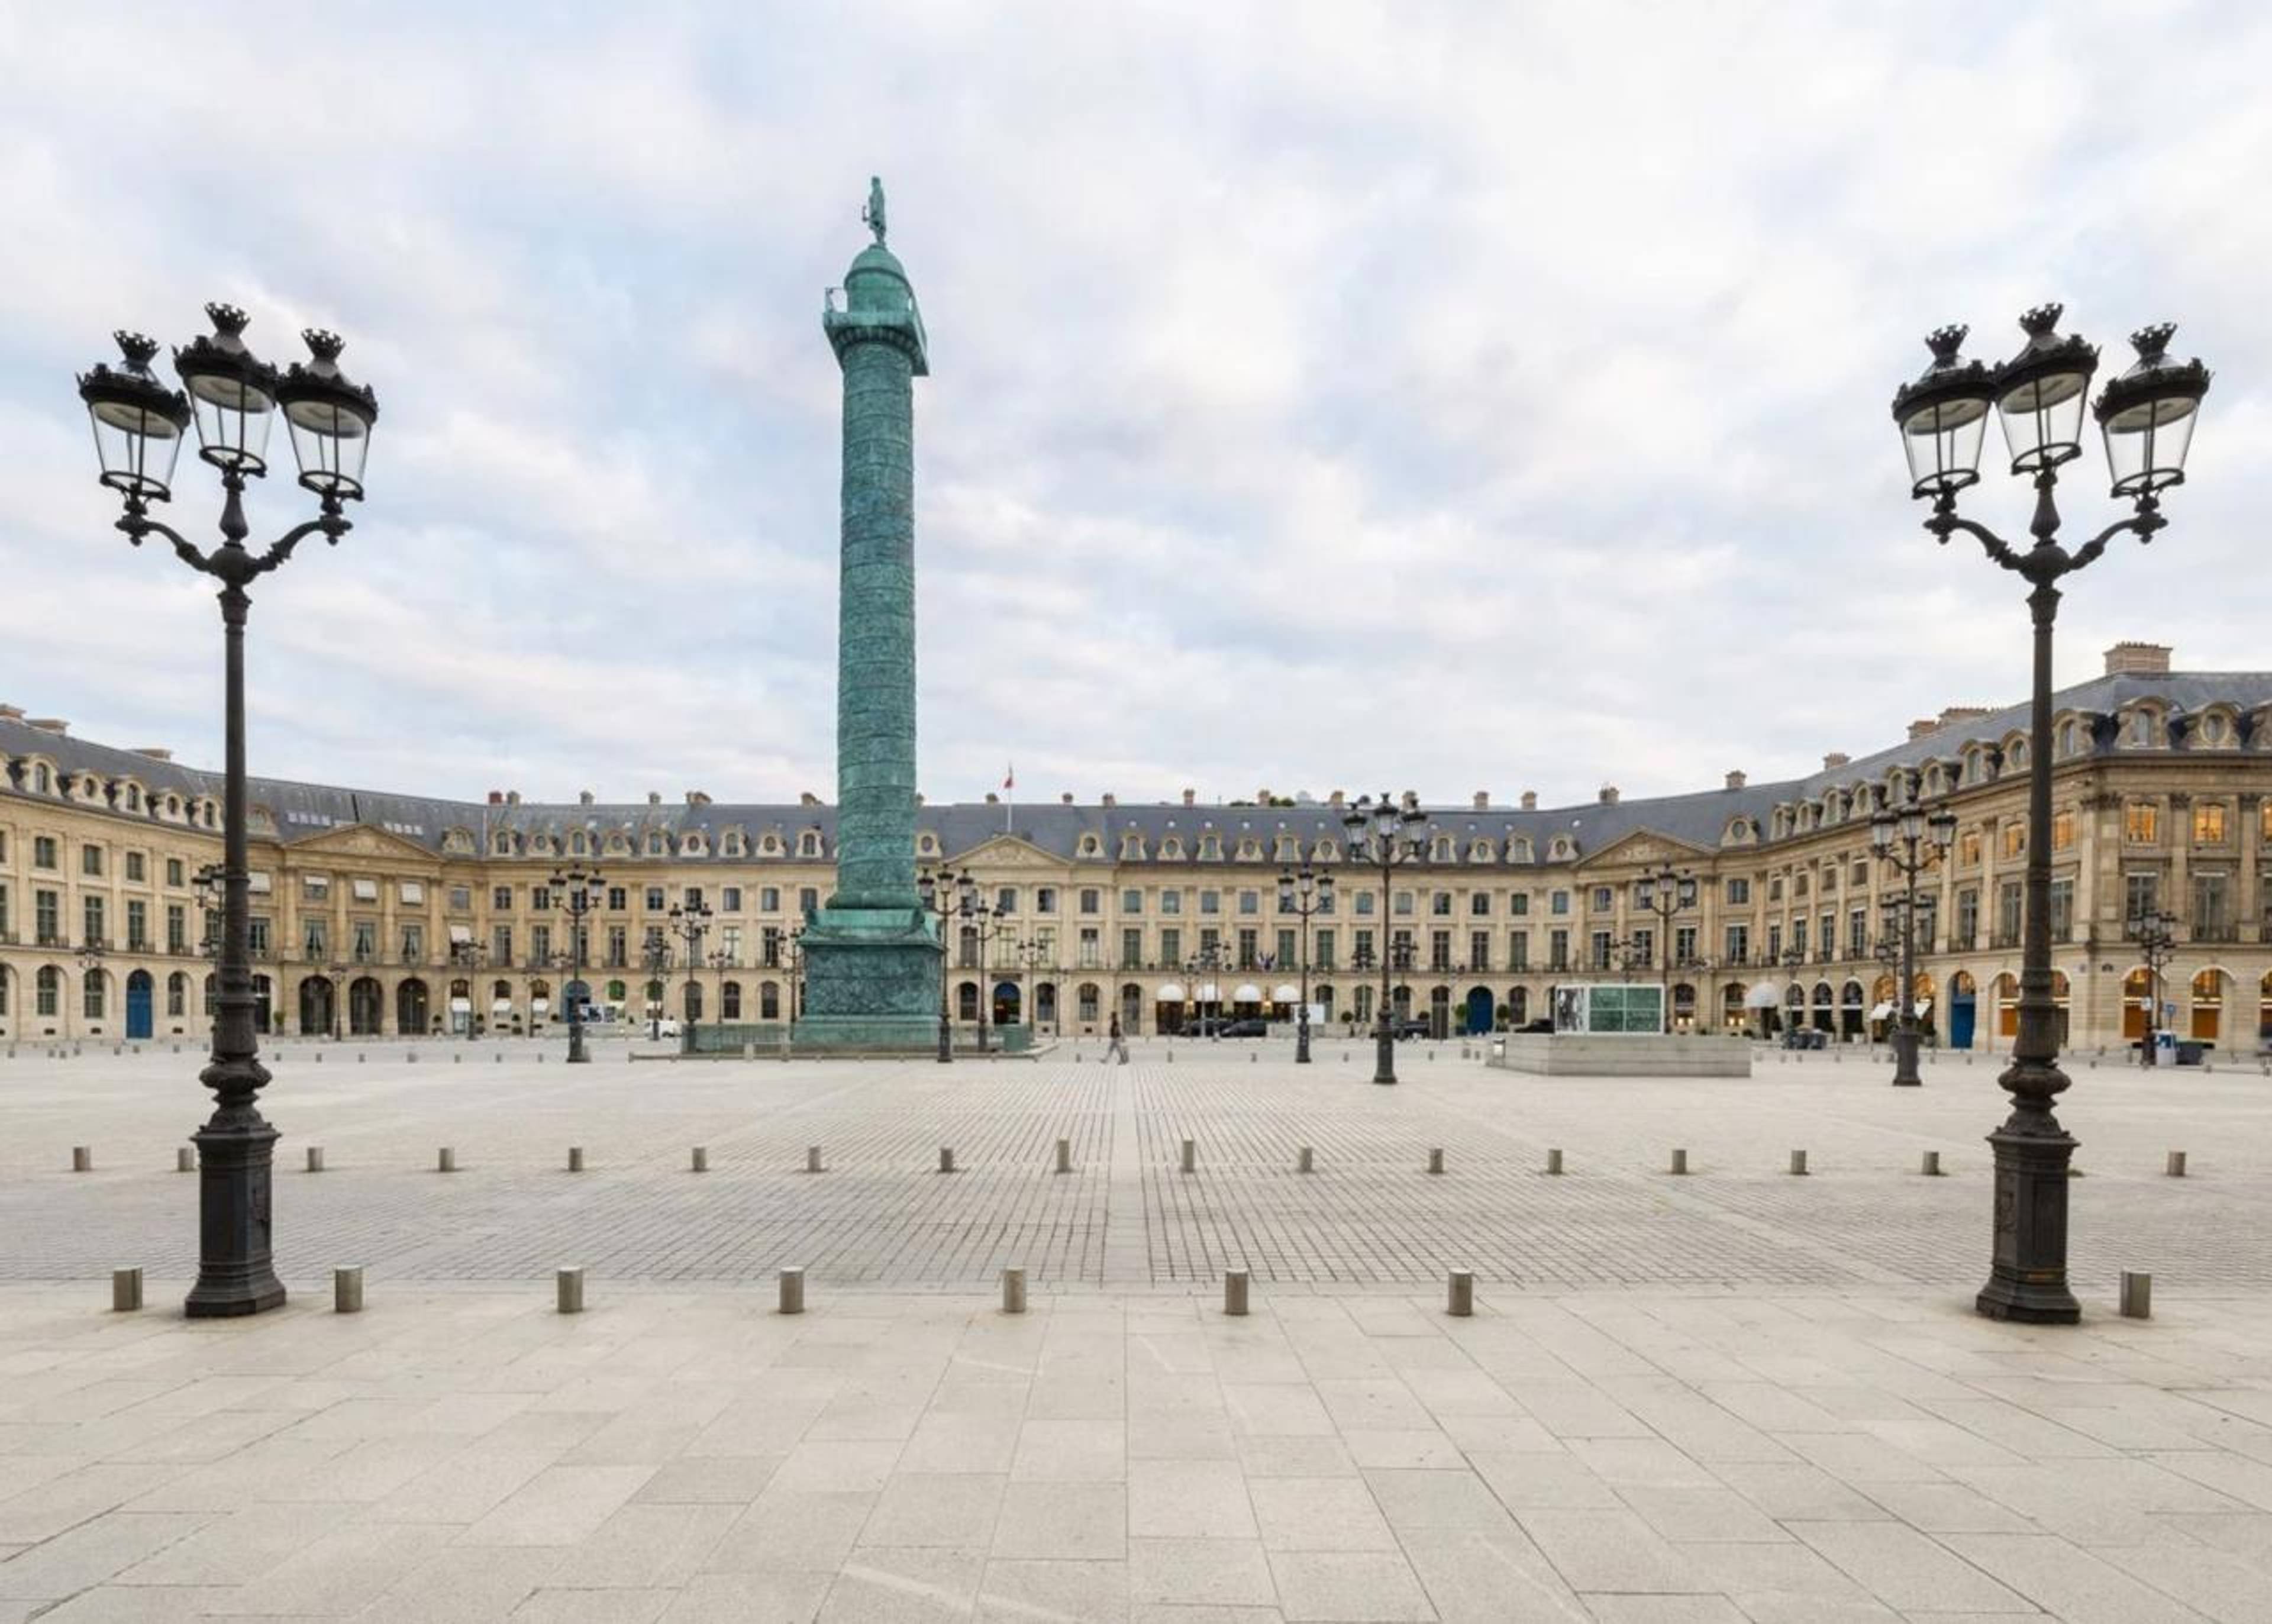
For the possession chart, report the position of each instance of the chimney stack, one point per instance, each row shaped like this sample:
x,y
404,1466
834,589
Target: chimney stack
x,y
1335,799
1110,800
49,724
512,797
583,798
1190,797
1531,800
654,798
1922,728
156,753
698,797
806,797
992,799
2124,659
1835,760
1482,800
1065,799
1609,797
1736,781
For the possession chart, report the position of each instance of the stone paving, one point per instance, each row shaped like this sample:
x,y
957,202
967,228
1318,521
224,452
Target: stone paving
x,y
1734,1396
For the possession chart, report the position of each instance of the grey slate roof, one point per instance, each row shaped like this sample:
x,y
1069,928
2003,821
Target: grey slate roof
x,y
1700,818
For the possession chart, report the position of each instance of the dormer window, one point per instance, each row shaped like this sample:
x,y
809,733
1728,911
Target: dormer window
x,y
1171,850
927,843
42,780
576,844
807,844
691,847
1325,851
654,843
1091,847
1131,849
1210,849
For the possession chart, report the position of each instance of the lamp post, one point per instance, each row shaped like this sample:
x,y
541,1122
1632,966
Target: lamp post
x,y
577,890
937,889
1385,834
233,398
795,972
468,957
981,919
1032,953
654,958
691,921
1912,842
1208,961
1663,891
2155,935
2147,417
721,960
1305,893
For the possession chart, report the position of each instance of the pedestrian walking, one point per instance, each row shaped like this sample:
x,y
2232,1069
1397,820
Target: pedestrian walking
x,y
1116,1046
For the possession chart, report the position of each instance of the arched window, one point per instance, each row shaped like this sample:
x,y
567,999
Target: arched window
x,y
177,994
768,1000
729,1001
1086,1000
48,991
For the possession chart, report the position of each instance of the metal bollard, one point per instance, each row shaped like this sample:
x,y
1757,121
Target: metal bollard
x,y
1234,1292
1554,1162
1461,1298
792,1290
575,1159
1013,1291
701,1159
1064,1155
812,1158
2137,1295
1929,1164
1190,1156
315,1158
568,1286
945,1159
1435,1161
185,1160
2176,1165
82,1158
1251,1057
1681,1161
125,1291
457,1057
1304,1161
446,1160
1798,1163
346,1289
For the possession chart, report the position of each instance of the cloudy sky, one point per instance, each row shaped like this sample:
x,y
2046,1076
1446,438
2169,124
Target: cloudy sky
x,y
1450,397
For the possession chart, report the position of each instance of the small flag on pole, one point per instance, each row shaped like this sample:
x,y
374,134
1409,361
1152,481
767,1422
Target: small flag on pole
x,y
1010,777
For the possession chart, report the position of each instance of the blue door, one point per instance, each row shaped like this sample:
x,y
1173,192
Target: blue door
x,y
1960,1020
138,1004
1479,1009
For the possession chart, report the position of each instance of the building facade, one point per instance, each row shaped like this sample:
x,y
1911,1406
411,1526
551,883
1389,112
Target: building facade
x,y
384,914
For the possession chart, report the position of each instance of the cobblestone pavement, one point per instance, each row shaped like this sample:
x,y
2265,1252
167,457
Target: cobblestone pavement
x,y
1127,1217
677,1455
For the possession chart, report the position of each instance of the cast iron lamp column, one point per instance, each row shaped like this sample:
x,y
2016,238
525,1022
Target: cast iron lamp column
x,y
2155,934
1208,962
467,955
937,888
233,398
691,921
2147,416
986,925
1664,892
655,957
1033,955
576,890
1922,842
1305,893
1382,833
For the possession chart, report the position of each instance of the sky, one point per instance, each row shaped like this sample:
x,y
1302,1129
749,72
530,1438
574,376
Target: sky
x,y
1432,396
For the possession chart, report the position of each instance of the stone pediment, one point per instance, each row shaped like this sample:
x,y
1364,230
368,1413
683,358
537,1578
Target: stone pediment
x,y
1010,851
1645,846
359,840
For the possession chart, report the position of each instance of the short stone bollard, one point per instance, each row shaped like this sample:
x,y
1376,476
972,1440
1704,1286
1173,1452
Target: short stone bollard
x,y
575,1159
812,1158
346,1289
361,1057
1252,1057
1304,1160
457,1057
1798,1163
2175,1167
185,1160
568,1286
497,1057
1234,1292
315,1158
946,1158
701,1159
125,1291
1435,1161
2137,1295
792,1290
1460,1297
82,1158
1929,1164
1013,1291
414,1057
1554,1162
1680,1161
446,1160
319,1056
1064,1155
1190,1156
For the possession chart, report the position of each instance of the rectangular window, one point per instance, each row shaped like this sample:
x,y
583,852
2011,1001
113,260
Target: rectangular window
x,y
1739,943
1558,950
2212,920
1250,948
1131,947
769,899
694,897
1440,905
178,928
173,866
1774,889
462,899
730,901
1322,950
2008,913
540,899
1684,944
1171,946
314,939
1364,904
1968,921
539,944
1478,952
2062,911
1210,902
1558,902
1211,944
90,860
364,890
654,899
1287,955
1518,950
1599,957
2141,823
617,899
315,888
2141,895
1798,937
1045,898
1403,905
1643,949
808,899
1857,934
1519,903
618,945
91,917
1364,958
2062,831
1968,848
43,851
1439,950
501,898
501,946
1739,893
1132,901
1479,904
1092,901
137,926
138,866
1604,899
2208,823
366,940
259,934
1171,901
1250,902
413,892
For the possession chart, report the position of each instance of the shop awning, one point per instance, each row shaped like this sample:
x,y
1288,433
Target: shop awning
x,y
1766,995
1285,994
1247,994
1169,991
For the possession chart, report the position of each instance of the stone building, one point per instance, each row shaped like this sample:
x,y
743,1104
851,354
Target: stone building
x,y
382,913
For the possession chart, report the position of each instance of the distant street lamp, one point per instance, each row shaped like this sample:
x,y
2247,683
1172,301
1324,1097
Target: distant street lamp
x,y
233,398
654,956
2146,418
937,889
1385,835
578,891
1664,891
468,957
985,925
2155,934
691,920
1912,842
1209,961
1305,893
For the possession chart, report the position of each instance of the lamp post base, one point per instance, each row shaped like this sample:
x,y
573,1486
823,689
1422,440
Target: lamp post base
x,y
1302,1040
1905,1061
945,1040
2027,1280
1384,1063
237,1272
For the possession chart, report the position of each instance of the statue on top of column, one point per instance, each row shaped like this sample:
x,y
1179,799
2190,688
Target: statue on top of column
x,y
873,214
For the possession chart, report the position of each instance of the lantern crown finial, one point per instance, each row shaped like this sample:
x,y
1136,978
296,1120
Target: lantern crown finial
x,y
2042,320
138,349
323,343
1946,341
2151,343
227,320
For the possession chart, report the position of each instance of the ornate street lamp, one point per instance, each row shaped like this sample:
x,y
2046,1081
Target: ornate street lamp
x,y
654,957
1209,961
1665,891
939,889
2147,416
578,891
1385,835
468,957
981,919
232,397
1913,841
1305,893
2156,933
691,921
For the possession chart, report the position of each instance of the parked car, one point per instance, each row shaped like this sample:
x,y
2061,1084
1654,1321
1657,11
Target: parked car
x,y
1245,1026
1414,1026
1806,1037
1543,1024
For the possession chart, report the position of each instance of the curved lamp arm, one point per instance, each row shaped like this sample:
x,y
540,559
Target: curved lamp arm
x,y
333,525
137,524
